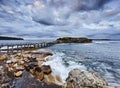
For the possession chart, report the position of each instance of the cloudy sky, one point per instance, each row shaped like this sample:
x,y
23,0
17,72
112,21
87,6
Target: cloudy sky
x,y
58,18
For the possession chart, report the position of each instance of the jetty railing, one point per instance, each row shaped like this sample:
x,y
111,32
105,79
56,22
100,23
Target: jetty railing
x,y
15,48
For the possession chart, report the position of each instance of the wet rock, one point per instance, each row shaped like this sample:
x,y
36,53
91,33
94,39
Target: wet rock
x,y
27,81
46,69
47,54
18,73
32,59
40,62
80,79
10,74
38,69
38,73
26,66
33,63
58,78
49,78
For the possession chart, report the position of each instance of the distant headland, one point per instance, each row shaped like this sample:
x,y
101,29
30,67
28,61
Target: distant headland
x,y
10,38
73,40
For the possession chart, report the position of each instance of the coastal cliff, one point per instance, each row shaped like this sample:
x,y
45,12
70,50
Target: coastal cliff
x,y
10,38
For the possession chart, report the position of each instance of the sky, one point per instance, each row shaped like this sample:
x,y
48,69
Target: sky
x,y
60,18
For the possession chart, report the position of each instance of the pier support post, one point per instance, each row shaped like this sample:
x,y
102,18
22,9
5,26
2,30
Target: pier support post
x,y
7,49
12,49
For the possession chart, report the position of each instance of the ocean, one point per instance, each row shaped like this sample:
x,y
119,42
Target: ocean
x,y
100,56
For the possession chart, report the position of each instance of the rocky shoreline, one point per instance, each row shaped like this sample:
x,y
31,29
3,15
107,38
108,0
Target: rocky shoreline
x,y
27,70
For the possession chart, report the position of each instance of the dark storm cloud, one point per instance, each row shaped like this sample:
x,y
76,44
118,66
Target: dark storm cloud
x,y
47,23
53,18
89,4
50,15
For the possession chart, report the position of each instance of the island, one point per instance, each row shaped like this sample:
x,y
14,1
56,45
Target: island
x,y
73,40
10,38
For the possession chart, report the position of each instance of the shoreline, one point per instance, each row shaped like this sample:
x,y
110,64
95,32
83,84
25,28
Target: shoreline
x,y
41,57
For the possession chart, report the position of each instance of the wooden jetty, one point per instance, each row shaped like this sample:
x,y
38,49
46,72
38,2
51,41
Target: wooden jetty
x,y
15,48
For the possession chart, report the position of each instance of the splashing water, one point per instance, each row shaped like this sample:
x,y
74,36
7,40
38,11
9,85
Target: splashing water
x,y
102,57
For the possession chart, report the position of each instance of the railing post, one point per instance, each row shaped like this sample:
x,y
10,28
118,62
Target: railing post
x,y
17,49
21,48
0,50
12,49
7,49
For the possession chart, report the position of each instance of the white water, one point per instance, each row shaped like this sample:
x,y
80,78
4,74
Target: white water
x,y
100,56
59,68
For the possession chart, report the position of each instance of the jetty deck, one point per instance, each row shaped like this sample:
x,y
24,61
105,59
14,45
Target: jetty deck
x,y
20,47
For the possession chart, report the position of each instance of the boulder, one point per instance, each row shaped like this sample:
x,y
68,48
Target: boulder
x,y
112,87
3,57
19,67
27,81
9,61
46,69
47,54
20,62
18,73
39,73
81,79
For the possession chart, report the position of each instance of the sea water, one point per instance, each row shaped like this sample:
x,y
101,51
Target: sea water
x,y
100,56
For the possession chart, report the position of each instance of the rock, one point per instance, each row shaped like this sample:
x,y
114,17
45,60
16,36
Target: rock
x,y
18,74
40,62
3,57
11,69
38,73
10,74
14,60
15,65
27,81
112,87
46,69
26,66
58,78
19,68
20,62
32,59
49,78
26,60
9,61
33,64
80,79
47,54
38,69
